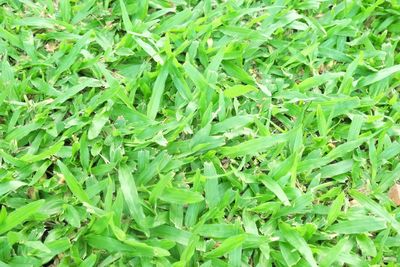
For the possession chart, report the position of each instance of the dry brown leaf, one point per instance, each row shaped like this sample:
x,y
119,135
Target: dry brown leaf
x,y
31,193
225,162
394,194
50,47
61,178
354,203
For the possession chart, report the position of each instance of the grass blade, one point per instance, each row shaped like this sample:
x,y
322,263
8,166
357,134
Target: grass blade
x,y
73,184
128,188
294,239
20,215
226,246
157,93
376,209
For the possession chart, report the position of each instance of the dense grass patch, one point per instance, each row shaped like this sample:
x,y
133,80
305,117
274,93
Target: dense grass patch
x,y
199,133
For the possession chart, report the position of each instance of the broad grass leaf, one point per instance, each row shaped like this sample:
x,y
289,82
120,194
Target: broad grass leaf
x,y
295,239
238,90
226,246
131,196
72,183
20,215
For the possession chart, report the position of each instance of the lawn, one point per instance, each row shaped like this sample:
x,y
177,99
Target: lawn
x,y
199,133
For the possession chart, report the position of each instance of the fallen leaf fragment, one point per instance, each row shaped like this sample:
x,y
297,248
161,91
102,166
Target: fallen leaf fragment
x,y
394,194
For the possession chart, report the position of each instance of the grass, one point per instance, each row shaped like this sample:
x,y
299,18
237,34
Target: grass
x,y
196,133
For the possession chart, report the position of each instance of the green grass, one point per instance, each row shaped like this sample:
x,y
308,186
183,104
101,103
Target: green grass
x,y
199,133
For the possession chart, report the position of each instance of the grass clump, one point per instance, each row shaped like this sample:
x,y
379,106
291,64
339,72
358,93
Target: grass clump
x,y
199,133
